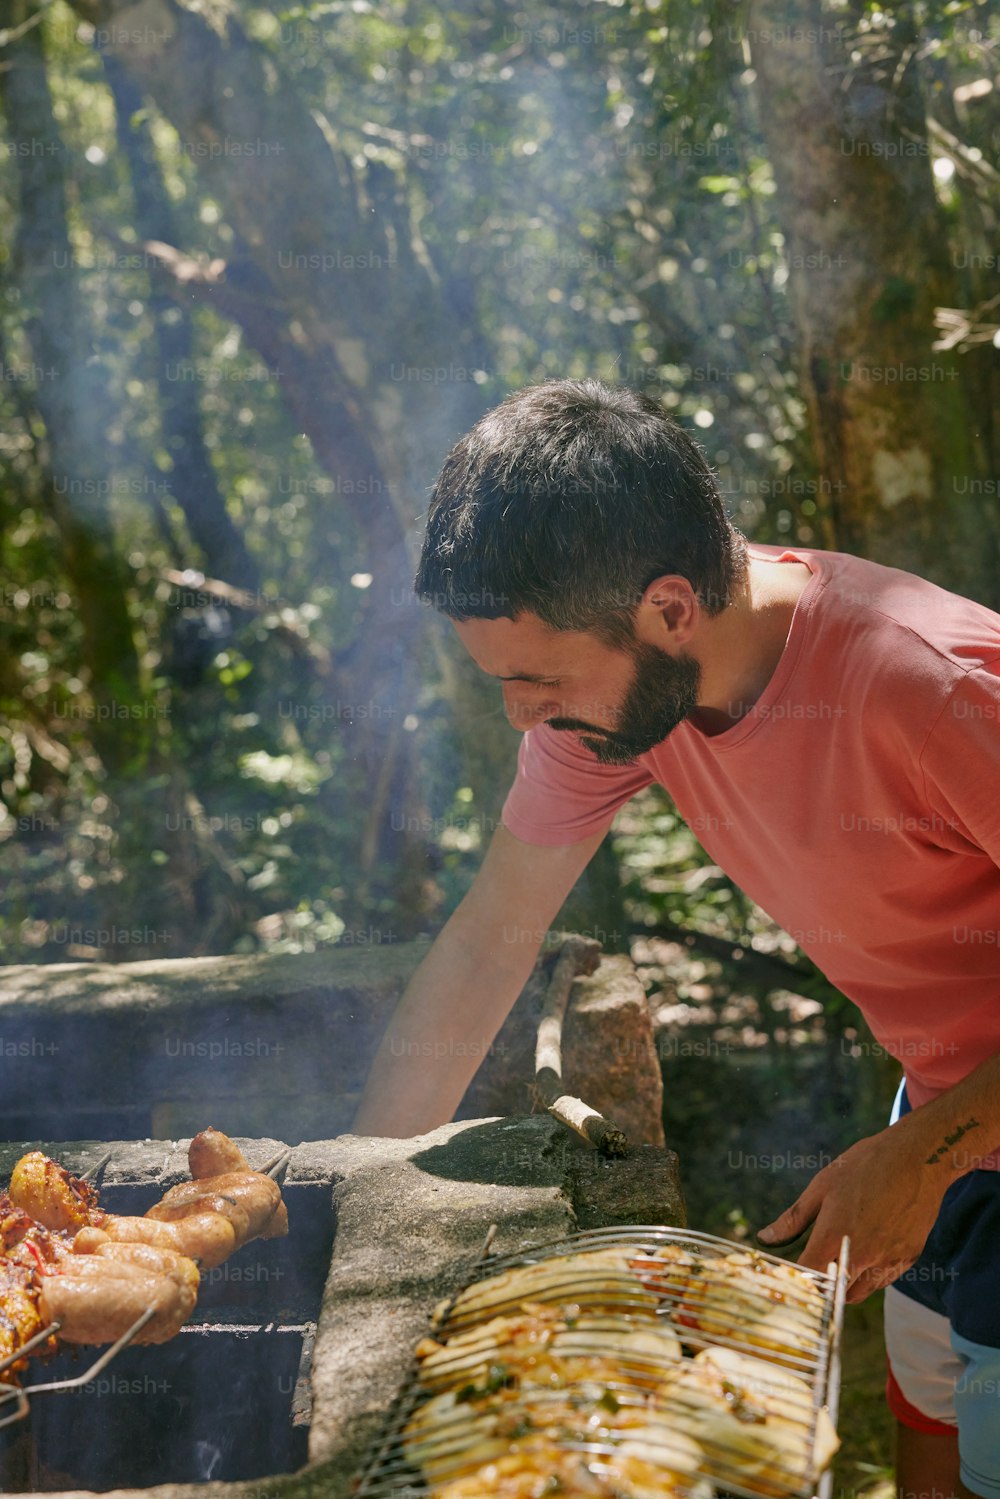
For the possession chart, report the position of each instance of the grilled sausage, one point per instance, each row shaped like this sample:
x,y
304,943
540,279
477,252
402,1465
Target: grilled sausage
x,y
257,1195
97,1300
180,1269
171,1208
211,1153
277,1226
208,1237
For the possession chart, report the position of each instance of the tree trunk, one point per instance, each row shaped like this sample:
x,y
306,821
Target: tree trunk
x,y
71,398
127,723
192,478
868,260
373,351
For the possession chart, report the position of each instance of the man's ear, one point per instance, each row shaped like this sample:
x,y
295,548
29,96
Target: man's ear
x,y
668,612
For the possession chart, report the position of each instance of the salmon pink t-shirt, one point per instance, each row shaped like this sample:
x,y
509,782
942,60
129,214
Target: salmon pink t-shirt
x,y
857,802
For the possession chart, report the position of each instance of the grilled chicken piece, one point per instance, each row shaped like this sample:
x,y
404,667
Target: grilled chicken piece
x,y
594,1278
551,1346
544,1470
49,1194
20,1317
26,1241
26,1249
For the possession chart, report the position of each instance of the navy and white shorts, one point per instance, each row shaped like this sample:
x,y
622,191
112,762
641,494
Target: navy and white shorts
x,y
942,1327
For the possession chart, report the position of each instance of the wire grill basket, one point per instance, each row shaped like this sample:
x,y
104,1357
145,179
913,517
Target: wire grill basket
x,y
593,1367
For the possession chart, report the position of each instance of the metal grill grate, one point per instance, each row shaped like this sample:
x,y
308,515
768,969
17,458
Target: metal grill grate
x,y
425,1440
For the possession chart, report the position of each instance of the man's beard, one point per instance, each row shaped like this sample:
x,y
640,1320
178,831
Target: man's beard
x,y
662,693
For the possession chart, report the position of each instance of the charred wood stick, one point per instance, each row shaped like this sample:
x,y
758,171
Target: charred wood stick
x,y
578,955
607,1138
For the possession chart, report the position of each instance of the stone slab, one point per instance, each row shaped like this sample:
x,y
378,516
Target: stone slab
x,y
268,1042
413,1219
609,1053
644,1188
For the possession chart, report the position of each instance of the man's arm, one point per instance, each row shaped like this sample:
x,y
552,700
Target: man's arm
x,y
464,989
885,1192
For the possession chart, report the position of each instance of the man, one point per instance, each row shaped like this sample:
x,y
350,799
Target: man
x,y
833,724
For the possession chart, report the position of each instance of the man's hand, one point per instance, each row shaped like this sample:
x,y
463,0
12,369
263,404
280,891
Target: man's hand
x,y
881,1194
885,1192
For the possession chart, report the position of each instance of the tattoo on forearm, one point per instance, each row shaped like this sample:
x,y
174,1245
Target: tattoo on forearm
x,y
949,1140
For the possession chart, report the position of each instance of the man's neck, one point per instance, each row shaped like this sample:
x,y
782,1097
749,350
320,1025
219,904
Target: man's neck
x,y
743,645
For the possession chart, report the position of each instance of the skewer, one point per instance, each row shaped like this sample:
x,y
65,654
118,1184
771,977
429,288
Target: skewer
x,y
26,1348
93,1171
16,1393
23,1394
277,1164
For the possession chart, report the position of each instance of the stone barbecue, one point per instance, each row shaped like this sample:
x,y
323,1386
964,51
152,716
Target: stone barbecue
x,y
298,1346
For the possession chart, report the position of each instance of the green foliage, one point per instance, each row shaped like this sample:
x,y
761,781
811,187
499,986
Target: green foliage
x,y
588,184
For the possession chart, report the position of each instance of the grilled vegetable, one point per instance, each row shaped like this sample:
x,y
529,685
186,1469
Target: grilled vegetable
x,y
547,1344
753,1420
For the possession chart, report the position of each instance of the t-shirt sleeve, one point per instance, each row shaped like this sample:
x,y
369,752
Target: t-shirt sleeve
x,y
562,793
961,760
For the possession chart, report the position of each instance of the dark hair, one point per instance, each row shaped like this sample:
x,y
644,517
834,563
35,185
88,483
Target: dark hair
x,y
566,501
